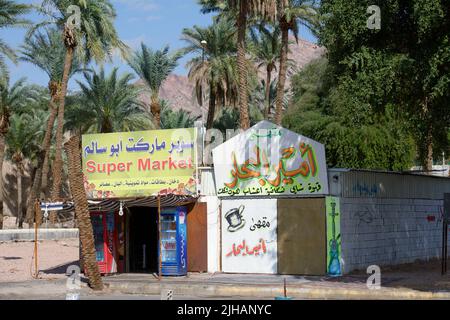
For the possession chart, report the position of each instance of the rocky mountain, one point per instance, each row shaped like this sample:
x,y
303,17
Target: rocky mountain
x,y
179,91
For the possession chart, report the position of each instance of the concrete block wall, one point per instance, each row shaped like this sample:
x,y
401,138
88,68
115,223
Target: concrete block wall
x,y
379,231
43,234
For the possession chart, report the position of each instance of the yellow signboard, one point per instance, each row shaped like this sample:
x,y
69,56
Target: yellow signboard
x,y
140,163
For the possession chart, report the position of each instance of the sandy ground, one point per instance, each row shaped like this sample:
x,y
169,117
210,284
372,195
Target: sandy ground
x,y
54,256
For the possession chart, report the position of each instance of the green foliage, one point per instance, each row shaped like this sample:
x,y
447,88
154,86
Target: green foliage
x,y
47,51
97,37
171,119
16,98
228,118
355,135
265,46
24,136
10,16
405,64
153,66
213,66
107,103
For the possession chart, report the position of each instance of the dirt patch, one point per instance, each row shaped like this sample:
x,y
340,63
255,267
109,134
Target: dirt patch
x,y
54,256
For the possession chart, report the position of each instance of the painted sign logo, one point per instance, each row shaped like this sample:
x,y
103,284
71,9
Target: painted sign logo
x,y
333,236
141,163
268,160
235,218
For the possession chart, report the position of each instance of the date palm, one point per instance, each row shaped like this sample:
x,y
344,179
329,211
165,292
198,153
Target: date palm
x,y
10,16
107,103
291,14
153,67
46,51
175,119
23,140
214,65
242,10
266,49
12,98
94,38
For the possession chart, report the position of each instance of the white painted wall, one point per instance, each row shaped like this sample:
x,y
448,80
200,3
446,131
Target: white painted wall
x,y
252,248
389,231
213,231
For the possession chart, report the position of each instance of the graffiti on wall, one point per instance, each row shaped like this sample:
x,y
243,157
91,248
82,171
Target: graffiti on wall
x,y
333,236
249,236
364,189
368,214
267,160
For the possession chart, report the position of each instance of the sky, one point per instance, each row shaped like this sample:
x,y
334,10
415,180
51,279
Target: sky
x,y
157,23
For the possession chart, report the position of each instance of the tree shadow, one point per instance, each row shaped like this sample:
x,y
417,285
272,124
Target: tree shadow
x,y
62,268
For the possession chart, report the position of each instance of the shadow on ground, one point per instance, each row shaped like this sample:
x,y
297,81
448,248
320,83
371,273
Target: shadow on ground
x,y
61,269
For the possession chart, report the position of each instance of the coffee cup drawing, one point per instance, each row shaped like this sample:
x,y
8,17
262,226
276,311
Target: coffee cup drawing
x,y
235,219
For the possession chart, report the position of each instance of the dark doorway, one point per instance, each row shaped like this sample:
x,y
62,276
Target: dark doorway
x,y
143,246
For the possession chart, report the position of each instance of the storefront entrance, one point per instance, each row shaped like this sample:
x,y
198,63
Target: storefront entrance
x,y
143,240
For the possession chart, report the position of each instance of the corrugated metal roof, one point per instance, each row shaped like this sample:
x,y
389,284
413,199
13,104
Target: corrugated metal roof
x,y
354,183
114,204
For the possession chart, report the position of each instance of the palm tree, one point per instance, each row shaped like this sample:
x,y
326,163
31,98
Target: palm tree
x,y
291,13
175,119
11,98
46,51
73,152
95,37
266,49
23,141
214,66
259,97
10,13
107,103
153,67
242,10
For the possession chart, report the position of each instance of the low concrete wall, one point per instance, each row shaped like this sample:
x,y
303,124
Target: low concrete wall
x,y
43,234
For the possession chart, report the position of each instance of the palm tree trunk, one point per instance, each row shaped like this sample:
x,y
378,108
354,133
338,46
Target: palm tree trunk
x,y
212,107
156,110
268,79
46,145
242,66
58,163
2,156
282,73
35,189
19,196
82,214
